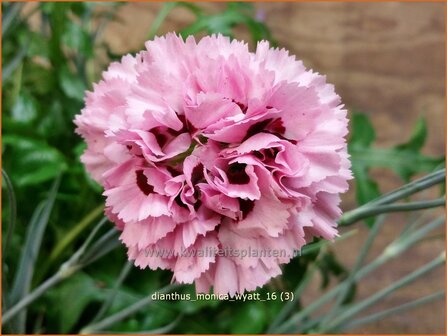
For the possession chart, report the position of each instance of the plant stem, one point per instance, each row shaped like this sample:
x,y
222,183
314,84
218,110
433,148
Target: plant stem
x,y
35,294
71,236
412,187
108,302
381,204
391,251
65,271
315,246
385,313
355,309
349,282
374,209
288,307
102,246
111,320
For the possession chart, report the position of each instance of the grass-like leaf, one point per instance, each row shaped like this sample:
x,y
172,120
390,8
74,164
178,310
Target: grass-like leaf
x,y
25,271
123,314
12,212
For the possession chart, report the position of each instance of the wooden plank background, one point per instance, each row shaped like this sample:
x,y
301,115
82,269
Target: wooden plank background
x,y
386,59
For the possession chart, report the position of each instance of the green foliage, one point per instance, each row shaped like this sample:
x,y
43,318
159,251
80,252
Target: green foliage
x,y
329,265
250,318
406,159
236,14
44,79
79,291
33,161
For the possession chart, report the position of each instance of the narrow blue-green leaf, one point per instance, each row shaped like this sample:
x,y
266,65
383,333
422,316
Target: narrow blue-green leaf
x,y
25,271
113,293
9,16
9,68
10,228
12,212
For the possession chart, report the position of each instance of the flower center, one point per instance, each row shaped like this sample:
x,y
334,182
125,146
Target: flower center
x,y
236,173
145,187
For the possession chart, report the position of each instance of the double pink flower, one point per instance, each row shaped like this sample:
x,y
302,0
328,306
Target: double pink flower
x,y
206,146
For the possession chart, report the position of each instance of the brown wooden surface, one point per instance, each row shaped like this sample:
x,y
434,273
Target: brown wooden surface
x,y
386,59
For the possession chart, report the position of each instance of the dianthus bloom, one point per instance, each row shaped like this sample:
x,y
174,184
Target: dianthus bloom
x,y
205,146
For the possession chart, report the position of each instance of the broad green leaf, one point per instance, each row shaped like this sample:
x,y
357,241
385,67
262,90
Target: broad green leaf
x,y
35,43
25,109
242,6
33,161
53,122
225,21
405,163
362,134
405,159
71,84
418,137
33,73
330,266
412,148
57,14
189,307
367,188
191,6
157,315
77,292
249,318
77,39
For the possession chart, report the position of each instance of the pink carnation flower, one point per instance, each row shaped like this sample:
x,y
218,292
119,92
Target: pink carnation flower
x,y
210,154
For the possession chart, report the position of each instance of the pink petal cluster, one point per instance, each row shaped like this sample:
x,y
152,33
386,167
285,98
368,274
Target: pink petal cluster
x,y
207,146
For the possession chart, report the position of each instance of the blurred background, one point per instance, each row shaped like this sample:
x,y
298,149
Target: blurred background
x,y
386,60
